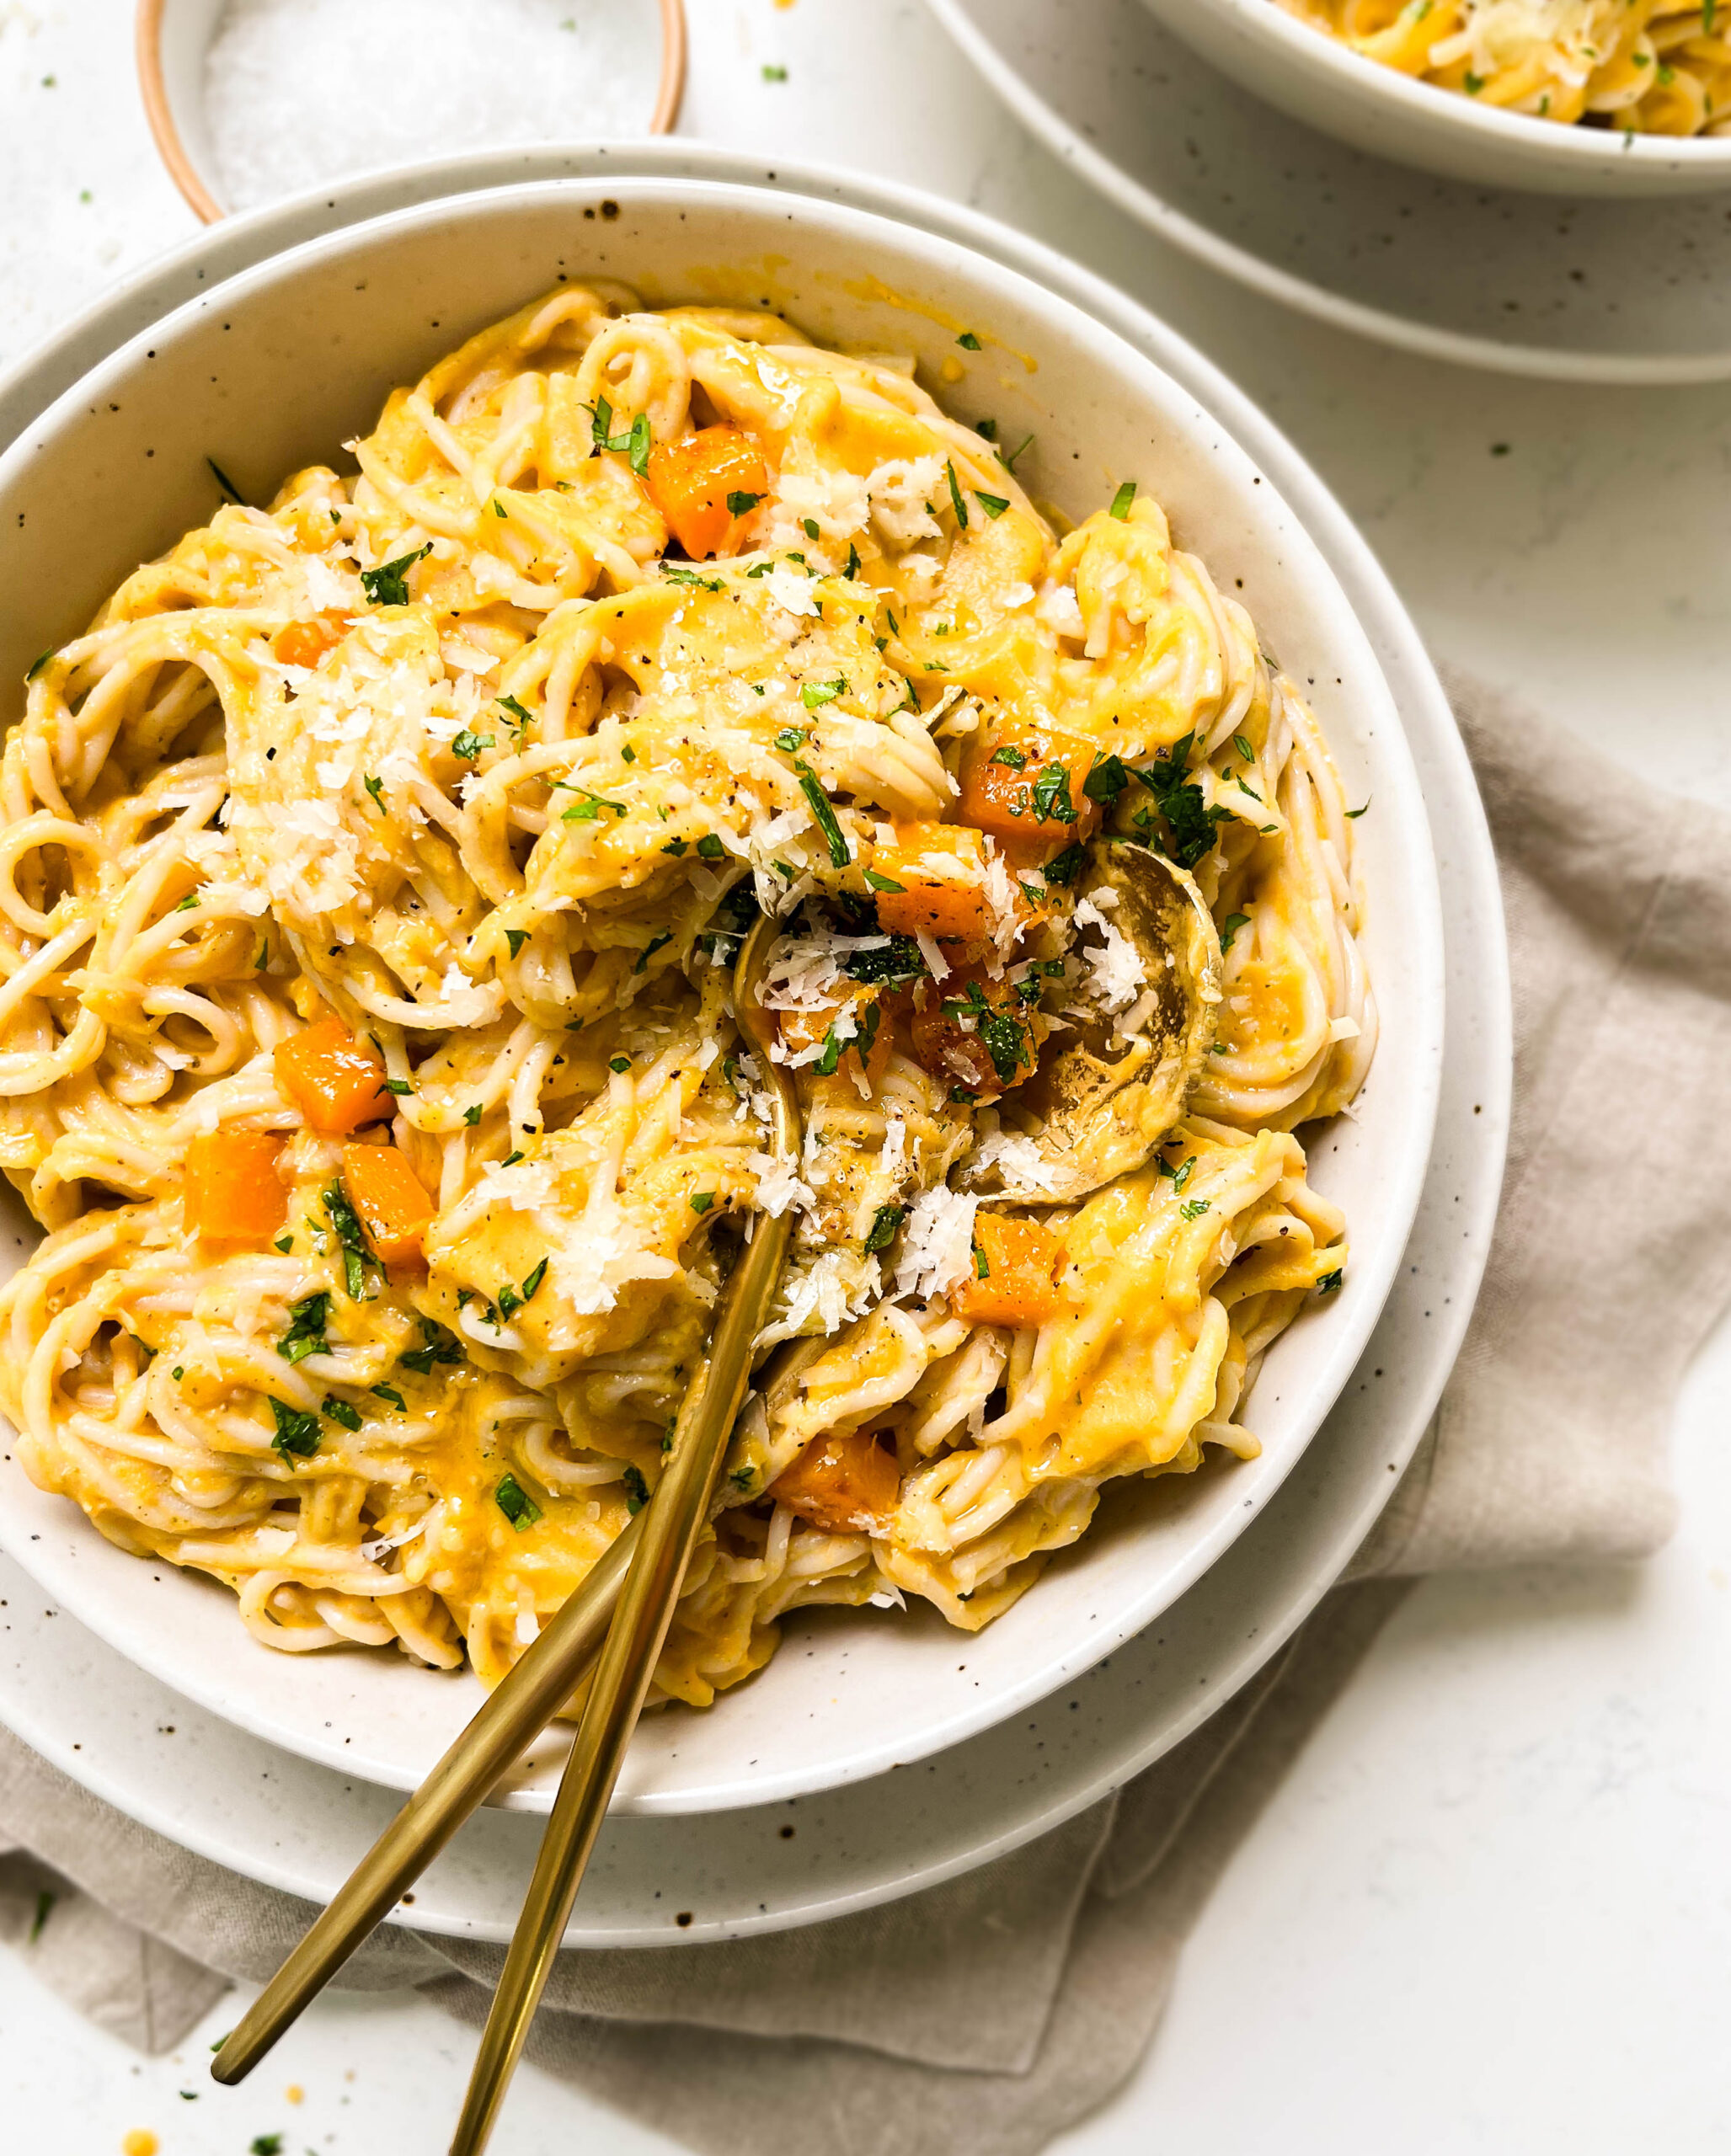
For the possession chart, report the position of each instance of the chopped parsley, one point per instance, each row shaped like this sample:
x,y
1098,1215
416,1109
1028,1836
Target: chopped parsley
x,y
340,1411
898,960
305,1337
1244,748
1013,757
376,787
345,1225
814,694
701,1200
649,949
792,736
441,1347
510,703
674,846
1122,499
1051,795
469,745
993,505
387,585
982,1264
1354,814
588,809
532,1280
636,1491
955,495
516,938
1179,1175
296,1431
1329,1283
824,816
968,341
1194,1208
877,883
389,1392
1064,868
513,1501
1106,781
676,574
472,1114
1229,929
710,848
619,1062
36,666
1190,822
231,491
635,444
886,1226
740,504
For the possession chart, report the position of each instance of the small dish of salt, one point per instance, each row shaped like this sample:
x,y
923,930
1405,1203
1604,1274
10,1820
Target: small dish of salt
x,y
252,100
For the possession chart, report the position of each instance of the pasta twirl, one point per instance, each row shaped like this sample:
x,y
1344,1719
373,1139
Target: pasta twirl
x,y
371,876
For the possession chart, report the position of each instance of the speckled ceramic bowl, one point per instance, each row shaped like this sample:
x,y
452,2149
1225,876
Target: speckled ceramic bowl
x,y
1318,79
289,358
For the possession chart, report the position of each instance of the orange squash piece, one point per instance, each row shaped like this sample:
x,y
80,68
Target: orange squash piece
x,y
845,1483
1026,789
304,644
389,1200
1019,1286
939,873
233,1192
336,1081
958,1023
691,481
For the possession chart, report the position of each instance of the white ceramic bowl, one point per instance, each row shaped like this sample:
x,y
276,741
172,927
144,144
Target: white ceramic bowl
x,y
290,358
1318,79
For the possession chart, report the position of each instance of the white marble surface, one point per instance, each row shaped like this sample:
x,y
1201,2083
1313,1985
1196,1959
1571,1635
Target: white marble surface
x,y
1489,1910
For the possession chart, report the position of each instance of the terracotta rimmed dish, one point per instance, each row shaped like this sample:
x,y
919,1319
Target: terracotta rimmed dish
x,y
300,349
1319,80
172,36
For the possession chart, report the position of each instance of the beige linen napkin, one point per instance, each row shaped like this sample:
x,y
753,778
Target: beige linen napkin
x,y
986,2014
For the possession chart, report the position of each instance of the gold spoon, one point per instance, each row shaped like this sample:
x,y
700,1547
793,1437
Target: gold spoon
x,y
674,1518
1097,1109
1106,1114
533,1691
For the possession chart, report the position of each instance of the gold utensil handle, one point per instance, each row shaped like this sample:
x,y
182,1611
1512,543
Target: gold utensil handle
x,y
507,1723
673,1521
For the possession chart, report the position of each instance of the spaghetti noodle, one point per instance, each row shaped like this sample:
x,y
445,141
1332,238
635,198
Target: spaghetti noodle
x,y
371,874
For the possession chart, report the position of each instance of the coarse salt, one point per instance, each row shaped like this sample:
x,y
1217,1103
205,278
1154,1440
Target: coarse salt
x,y
297,92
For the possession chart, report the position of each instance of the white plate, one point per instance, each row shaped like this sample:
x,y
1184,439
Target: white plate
x,y
282,364
297,1826
1633,291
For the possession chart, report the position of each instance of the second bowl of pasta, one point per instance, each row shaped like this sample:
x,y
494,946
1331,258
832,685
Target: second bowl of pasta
x,y
537,588
1565,97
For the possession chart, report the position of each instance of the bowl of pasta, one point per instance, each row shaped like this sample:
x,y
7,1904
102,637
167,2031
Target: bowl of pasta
x,y
538,587
1565,97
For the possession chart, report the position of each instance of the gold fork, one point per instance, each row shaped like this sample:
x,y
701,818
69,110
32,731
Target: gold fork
x,y
635,1585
